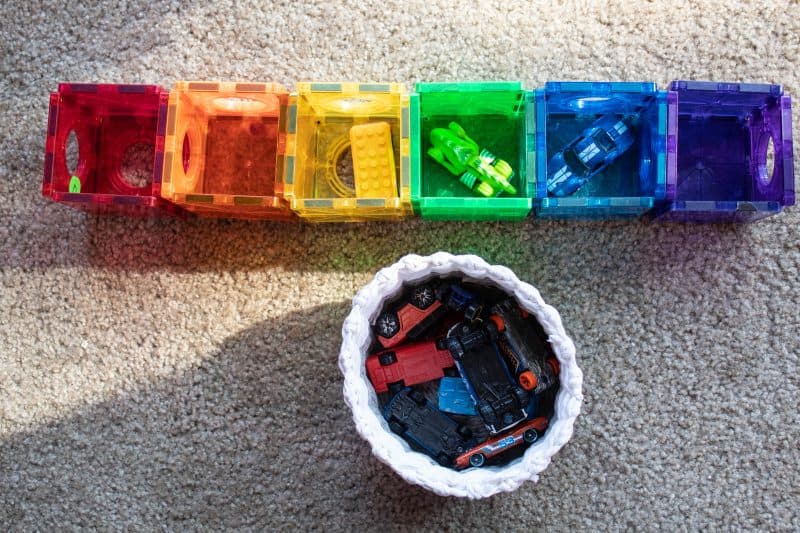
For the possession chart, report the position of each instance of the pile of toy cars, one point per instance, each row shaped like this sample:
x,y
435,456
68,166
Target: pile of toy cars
x,y
463,373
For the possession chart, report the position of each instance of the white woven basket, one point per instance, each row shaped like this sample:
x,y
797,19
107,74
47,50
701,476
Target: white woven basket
x,y
416,467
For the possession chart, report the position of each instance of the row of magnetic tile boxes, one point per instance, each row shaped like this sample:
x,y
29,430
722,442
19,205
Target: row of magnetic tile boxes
x,y
702,150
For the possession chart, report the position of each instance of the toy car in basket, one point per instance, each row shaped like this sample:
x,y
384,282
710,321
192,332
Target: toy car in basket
x,y
589,154
412,316
409,364
415,419
524,344
499,400
528,433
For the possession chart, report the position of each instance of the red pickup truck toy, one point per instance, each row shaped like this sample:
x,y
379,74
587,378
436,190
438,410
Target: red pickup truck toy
x,y
408,365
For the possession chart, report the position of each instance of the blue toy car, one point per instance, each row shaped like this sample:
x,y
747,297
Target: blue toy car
x,y
454,397
426,428
589,154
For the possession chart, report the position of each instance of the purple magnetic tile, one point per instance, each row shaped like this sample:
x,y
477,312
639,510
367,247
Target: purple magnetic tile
x,y
723,131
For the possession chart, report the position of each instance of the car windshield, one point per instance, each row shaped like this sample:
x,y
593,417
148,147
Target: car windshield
x,y
574,163
604,140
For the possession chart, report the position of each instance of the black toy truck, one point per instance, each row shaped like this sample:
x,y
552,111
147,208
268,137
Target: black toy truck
x,y
524,344
426,428
499,400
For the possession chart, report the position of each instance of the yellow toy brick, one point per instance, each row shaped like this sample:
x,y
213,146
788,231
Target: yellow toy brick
x,y
373,160
324,122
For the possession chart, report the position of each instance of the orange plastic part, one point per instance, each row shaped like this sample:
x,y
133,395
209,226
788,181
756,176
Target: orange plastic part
x,y
224,149
528,380
499,322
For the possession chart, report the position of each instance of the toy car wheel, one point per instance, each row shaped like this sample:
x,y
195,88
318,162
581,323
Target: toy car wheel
x,y
418,397
530,436
396,387
498,323
503,168
485,189
477,460
387,325
397,427
443,459
528,380
422,297
465,432
388,358
451,372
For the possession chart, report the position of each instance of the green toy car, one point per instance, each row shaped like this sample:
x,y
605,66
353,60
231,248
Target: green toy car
x,y
478,169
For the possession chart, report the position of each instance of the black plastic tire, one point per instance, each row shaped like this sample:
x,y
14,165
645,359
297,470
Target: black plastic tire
x,y
387,358
477,460
397,427
387,325
422,297
418,397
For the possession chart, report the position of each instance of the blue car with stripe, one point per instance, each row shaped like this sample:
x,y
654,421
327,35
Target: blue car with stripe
x,y
598,146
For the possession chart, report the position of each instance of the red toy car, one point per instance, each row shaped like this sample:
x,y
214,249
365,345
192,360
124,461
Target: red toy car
x,y
411,317
529,432
408,365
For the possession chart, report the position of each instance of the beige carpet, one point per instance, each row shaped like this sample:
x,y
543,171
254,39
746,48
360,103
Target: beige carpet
x,y
183,374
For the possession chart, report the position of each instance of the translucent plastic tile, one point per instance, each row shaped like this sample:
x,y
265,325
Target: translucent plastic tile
x,y
101,147
601,149
733,152
494,118
324,120
224,149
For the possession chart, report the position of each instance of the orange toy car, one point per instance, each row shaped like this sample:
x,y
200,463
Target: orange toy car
x,y
410,318
529,432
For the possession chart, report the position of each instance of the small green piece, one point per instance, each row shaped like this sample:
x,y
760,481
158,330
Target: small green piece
x,y
479,169
75,184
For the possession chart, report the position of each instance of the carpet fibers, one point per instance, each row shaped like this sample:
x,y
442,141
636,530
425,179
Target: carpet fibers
x,y
182,374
